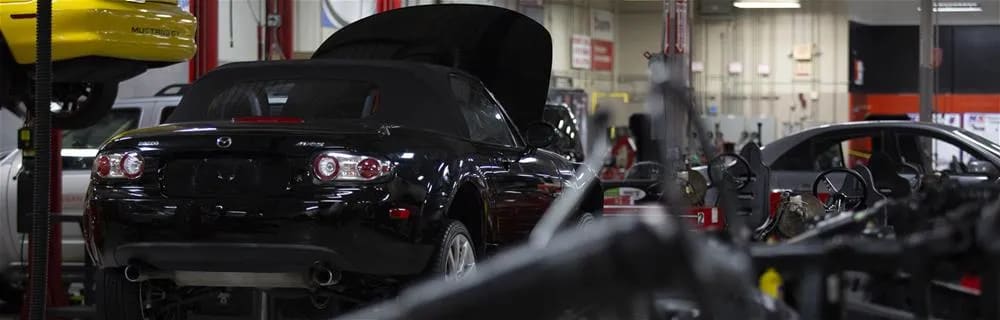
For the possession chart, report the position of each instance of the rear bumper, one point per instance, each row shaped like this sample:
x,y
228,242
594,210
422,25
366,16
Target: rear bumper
x,y
148,32
383,258
257,235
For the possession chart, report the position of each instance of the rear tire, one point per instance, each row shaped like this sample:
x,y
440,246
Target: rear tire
x,y
87,103
456,255
117,298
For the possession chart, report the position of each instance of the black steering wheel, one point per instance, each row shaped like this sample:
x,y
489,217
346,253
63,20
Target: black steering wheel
x,y
734,168
843,198
645,170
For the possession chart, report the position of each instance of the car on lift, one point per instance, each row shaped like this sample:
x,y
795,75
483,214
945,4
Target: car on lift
x,y
95,45
79,148
390,159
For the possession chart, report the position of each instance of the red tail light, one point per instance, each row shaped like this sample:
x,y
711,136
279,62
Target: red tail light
x,y
119,165
268,120
103,166
339,166
131,165
369,168
326,167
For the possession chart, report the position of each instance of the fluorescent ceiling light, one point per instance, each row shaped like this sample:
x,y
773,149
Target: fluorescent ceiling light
x,y
768,4
956,7
977,9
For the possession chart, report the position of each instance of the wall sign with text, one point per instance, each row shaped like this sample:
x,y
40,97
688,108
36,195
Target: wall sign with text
x,y
603,54
580,53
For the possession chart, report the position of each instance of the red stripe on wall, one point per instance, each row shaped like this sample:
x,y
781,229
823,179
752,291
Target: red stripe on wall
x,y
881,103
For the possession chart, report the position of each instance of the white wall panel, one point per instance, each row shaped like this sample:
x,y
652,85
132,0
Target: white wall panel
x,y
239,42
308,26
753,37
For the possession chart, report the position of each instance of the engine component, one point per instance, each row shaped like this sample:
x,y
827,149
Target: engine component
x,y
797,212
693,186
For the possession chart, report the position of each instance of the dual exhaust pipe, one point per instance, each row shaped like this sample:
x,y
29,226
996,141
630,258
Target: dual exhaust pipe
x,y
137,273
319,275
322,276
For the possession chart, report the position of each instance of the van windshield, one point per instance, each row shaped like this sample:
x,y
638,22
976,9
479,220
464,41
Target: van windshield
x,y
115,122
79,146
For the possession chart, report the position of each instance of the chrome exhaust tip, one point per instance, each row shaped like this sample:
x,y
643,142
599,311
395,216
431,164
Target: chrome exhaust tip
x,y
133,273
323,276
137,273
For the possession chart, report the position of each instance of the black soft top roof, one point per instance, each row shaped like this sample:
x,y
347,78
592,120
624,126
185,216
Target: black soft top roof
x,y
509,52
412,94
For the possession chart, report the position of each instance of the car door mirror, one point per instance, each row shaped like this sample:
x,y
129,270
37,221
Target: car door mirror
x,y
540,135
980,167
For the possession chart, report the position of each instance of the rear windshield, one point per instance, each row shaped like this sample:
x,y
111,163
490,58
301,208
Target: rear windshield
x,y
308,99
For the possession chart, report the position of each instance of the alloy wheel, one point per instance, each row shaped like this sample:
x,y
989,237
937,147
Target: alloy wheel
x,y
461,258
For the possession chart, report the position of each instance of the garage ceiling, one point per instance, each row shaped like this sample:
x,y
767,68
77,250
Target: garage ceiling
x,y
874,12
904,12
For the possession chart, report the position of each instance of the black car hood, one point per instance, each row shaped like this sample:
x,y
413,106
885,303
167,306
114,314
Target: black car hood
x,y
509,52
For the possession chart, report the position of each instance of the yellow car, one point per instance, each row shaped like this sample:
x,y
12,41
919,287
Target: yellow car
x,y
95,45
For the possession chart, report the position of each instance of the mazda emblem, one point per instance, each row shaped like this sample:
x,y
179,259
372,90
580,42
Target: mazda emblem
x,y
224,142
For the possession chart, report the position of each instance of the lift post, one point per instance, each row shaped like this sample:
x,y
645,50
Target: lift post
x,y
45,162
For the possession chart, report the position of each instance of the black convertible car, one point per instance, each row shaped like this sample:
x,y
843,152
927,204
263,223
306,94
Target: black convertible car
x,y
385,158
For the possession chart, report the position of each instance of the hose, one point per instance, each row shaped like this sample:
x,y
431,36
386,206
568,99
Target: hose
x,y
41,166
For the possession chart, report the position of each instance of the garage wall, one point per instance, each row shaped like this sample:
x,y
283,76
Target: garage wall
x,y
768,37
309,30
639,32
565,18
239,43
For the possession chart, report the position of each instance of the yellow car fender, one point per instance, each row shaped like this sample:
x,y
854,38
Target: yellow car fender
x,y
154,31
